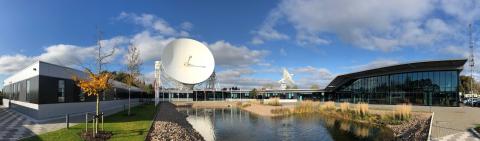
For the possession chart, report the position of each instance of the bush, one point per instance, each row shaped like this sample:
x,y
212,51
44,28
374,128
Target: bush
x,y
306,106
273,101
281,111
329,105
344,106
402,112
361,109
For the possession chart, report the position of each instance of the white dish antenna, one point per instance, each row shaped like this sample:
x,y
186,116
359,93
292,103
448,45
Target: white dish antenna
x,y
187,61
286,80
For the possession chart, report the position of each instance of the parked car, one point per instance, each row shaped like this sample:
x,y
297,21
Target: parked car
x,y
471,101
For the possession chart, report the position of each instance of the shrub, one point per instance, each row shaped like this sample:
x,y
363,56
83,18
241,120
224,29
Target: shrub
x,y
273,101
402,112
361,109
329,105
344,106
281,111
306,106
245,105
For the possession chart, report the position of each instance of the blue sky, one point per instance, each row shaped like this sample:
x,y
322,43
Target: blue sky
x,y
251,40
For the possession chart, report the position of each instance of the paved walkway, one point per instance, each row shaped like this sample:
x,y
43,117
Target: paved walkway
x,y
462,136
447,120
15,126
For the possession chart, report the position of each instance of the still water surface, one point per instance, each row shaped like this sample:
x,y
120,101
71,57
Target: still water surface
x,y
232,124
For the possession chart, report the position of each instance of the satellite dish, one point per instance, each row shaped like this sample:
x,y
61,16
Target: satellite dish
x,y
187,61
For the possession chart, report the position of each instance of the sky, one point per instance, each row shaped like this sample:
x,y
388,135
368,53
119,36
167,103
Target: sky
x,y
251,40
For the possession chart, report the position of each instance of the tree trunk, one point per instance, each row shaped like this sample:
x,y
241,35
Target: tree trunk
x,y
128,101
96,113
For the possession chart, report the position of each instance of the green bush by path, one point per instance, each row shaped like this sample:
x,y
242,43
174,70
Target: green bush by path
x,y
124,128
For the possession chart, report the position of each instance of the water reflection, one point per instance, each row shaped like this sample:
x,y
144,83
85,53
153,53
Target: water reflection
x,y
233,124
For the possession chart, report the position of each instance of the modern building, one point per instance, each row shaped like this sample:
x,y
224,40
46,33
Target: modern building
x,y
418,83
44,90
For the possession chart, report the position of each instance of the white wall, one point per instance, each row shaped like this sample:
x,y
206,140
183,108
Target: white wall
x,y
51,111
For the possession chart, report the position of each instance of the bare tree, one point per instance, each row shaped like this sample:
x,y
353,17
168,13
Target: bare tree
x,y
133,66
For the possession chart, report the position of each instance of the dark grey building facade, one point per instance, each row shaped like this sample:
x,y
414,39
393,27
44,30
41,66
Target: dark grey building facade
x,y
419,83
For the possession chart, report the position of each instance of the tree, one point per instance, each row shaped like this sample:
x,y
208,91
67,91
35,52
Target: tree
x,y
315,86
94,86
465,85
97,83
133,67
254,93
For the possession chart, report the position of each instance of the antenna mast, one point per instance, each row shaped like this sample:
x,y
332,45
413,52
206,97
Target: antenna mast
x,y
471,57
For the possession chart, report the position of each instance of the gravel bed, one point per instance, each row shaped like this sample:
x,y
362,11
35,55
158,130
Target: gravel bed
x,y
172,125
415,129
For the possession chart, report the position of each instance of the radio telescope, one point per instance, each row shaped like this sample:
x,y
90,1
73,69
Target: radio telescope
x,y
286,80
184,63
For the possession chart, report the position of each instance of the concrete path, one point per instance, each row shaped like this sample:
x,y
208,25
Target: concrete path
x,y
462,136
15,126
447,120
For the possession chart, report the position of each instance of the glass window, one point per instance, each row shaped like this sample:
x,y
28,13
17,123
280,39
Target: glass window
x,y
454,80
61,91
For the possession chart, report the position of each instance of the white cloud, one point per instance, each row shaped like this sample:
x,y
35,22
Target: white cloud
x,y
186,26
158,24
63,54
372,24
13,63
465,11
229,55
241,77
308,75
267,31
374,64
150,46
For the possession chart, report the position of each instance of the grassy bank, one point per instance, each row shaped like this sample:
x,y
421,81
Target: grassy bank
x,y
124,128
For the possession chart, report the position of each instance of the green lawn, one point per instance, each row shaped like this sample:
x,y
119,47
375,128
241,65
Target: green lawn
x,y
124,128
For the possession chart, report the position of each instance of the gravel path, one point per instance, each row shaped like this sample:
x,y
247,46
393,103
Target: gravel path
x,y
171,125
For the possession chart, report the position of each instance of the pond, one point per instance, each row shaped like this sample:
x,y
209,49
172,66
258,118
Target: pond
x,y
233,124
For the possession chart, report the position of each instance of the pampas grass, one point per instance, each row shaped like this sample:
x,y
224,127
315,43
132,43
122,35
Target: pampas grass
x,y
329,105
273,101
306,106
344,106
281,111
361,109
403,112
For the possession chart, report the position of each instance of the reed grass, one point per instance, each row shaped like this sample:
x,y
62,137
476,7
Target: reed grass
x,y
402,112
273,101
281,111
306,106
345,126
344,106
361,109
329,105
361,132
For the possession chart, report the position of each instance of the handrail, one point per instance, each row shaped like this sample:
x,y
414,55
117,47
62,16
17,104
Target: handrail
x,y
430,129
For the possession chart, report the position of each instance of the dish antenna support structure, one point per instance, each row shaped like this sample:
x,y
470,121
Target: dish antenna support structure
x,y
184,63
286,80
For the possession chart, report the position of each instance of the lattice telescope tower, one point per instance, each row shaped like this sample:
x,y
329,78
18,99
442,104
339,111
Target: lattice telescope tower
x,y
471,58
211,82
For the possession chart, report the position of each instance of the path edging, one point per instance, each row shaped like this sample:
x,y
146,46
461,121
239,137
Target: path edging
x,y
475,132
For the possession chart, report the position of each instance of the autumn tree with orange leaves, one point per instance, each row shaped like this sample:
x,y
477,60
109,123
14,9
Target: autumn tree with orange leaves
x,y
96,84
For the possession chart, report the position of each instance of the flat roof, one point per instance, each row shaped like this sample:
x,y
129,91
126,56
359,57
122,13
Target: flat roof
x,y
436,65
